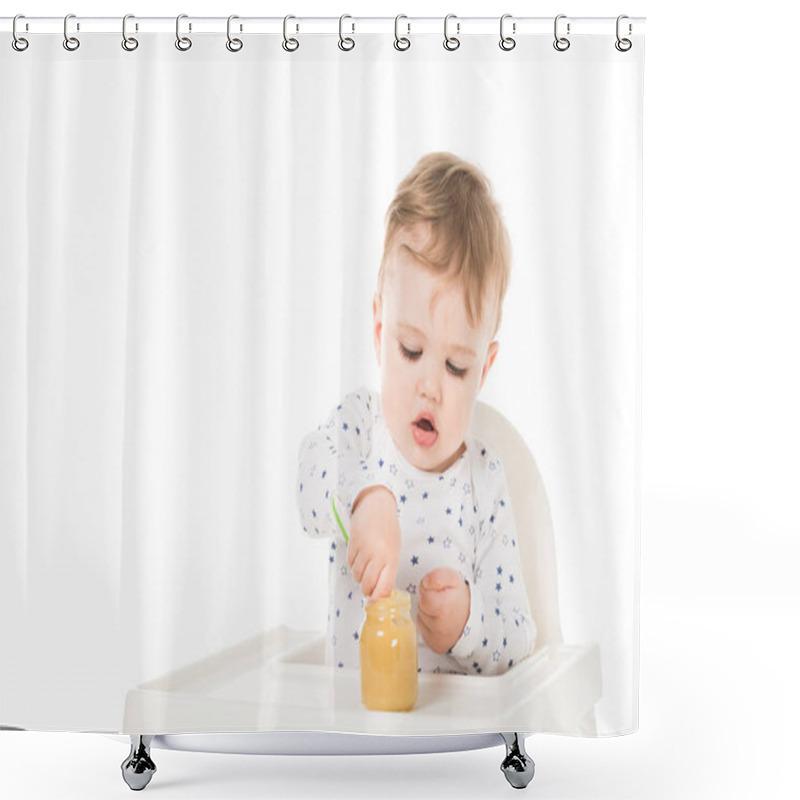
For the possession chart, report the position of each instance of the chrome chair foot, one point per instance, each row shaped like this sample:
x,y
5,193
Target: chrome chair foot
x,y
518,766
138,768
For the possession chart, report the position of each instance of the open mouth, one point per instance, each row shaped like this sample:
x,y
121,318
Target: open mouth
x,y
424,431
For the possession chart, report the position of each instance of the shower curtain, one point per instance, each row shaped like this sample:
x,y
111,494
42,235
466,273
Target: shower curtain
x,y
250,275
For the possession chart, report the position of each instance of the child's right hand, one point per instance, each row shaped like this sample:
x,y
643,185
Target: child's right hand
x,y
373,553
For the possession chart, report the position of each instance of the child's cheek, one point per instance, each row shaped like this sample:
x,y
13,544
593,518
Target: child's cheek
x,y
461,416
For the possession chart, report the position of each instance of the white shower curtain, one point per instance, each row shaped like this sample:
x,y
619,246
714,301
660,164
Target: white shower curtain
x,y
191,243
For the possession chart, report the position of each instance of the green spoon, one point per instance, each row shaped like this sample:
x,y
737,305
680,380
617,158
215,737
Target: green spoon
x,y
339,521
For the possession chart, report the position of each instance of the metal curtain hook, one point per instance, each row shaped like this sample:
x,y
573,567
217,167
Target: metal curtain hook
x,y
128,42
290,45
70,42
234,45
181,42
401,43
451,42
561,43
18,43
506,42
345,43
623,45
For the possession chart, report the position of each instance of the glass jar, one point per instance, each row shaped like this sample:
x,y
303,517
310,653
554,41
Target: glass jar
x,y
388,651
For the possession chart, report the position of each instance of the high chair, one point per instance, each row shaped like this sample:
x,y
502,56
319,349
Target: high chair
x,y
279,680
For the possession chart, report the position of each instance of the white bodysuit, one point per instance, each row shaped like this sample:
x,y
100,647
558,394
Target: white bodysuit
x,y
460,518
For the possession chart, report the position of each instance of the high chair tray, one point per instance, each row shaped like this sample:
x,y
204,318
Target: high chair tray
x,y
279,681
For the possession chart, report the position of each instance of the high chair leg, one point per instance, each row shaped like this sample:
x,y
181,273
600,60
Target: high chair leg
x,y
138,768
518,766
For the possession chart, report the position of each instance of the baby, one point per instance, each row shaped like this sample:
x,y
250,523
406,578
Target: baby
x,y
425,505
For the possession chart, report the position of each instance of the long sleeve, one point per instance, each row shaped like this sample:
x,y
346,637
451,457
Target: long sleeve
x,y
335,461
500,630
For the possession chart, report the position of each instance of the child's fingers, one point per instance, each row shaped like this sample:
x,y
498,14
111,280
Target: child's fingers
x,y
424,606
442,578
424,626
369,579
352,554
358,566
385,582
431,635
432,602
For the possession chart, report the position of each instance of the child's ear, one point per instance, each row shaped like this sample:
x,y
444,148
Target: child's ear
x,y
377,324
491,355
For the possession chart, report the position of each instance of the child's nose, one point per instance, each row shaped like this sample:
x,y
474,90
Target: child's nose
x,y
430,385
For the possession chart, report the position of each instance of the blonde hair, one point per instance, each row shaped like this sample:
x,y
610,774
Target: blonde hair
x,y
468,238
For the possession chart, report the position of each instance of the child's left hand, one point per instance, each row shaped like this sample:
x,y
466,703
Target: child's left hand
x,y
443,609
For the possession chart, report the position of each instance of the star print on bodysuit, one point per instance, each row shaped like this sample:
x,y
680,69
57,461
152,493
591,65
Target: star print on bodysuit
x,y
461,519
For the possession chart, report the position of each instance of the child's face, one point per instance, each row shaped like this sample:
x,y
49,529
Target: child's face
x,y
433,362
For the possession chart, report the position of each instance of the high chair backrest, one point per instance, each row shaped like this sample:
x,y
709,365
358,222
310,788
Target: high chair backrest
x,y
531,515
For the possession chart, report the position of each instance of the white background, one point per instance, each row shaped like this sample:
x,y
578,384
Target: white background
x,y
721,387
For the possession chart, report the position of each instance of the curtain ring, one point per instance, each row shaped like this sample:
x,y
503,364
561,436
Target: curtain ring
x,y
623,45
234,45
401,43
346,43
506,42
561,43
450,42
183,43
289,45
18,43
70,42
128,42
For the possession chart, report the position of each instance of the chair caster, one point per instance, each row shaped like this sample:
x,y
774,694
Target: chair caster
x,y
518,766
138,768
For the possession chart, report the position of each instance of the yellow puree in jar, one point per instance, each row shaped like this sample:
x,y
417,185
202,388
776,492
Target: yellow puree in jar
x,y
388,652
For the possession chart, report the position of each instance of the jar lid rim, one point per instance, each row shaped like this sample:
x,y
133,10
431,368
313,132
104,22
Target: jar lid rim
x,y
398,598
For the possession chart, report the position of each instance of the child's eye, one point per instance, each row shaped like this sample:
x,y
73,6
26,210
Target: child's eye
x,y
411,355
459,372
